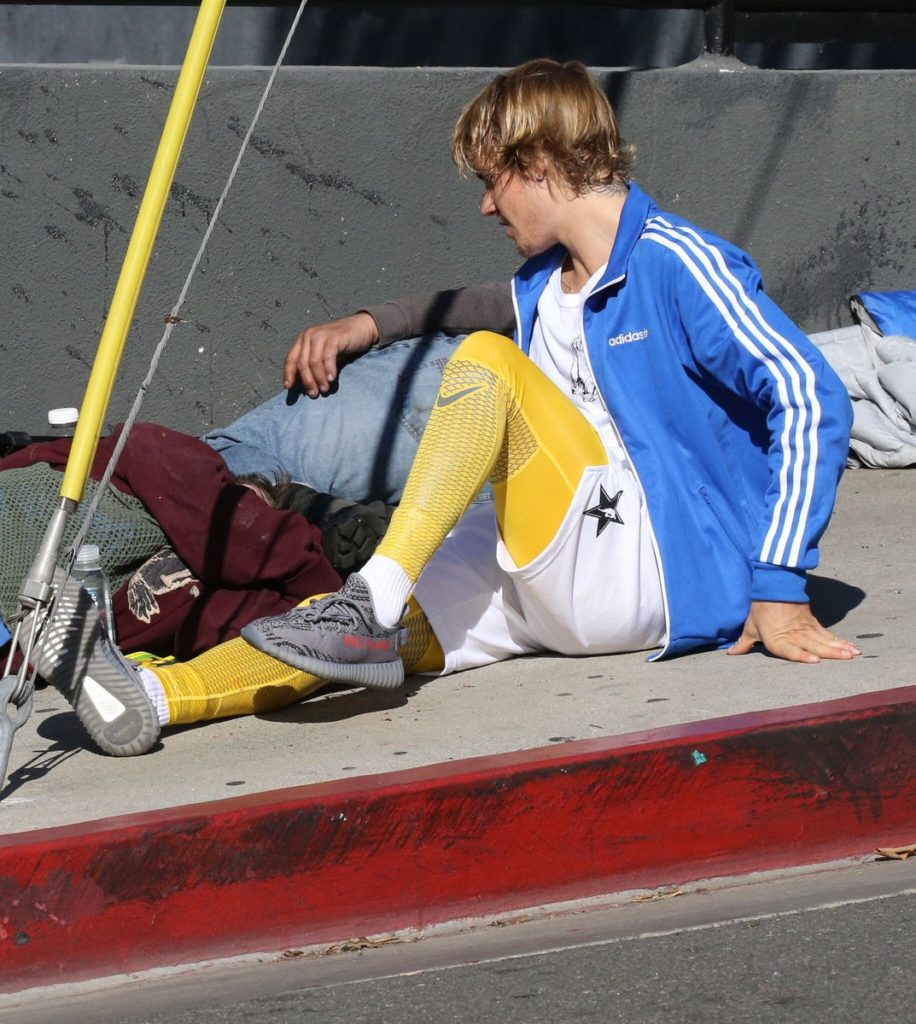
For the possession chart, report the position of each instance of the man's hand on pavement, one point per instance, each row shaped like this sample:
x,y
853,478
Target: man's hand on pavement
x,y
314,359
790,631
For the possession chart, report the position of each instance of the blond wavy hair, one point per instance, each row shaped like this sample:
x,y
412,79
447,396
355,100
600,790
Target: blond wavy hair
x,y
543,111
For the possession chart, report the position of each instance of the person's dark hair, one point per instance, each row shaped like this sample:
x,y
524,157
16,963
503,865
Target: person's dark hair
x,y
281,493
350,531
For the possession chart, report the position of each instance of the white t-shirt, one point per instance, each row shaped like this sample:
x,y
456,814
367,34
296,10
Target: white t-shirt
x,y
558,348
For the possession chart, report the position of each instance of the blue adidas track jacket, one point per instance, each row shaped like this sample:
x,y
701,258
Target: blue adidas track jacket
x,y
736,426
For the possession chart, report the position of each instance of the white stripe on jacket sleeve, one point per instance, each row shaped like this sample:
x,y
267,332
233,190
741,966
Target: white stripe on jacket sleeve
x,y
783,543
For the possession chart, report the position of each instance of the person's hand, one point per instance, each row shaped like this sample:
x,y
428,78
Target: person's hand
x,y
790,631
315,357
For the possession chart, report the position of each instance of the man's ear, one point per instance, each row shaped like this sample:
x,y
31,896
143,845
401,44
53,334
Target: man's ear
x,y
539,169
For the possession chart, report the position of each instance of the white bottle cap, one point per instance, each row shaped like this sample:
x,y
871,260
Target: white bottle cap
x,y
63,417
87,554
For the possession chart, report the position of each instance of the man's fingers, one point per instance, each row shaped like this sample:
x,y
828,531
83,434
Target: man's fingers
x,y
304,371
313,362
743,645
791,651
780,648
830,646
809,647
314,359
329,365
291,363
297,368
840,644
322,367
821,643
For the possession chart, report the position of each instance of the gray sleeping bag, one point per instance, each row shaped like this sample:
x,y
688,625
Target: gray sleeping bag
x,y
880,376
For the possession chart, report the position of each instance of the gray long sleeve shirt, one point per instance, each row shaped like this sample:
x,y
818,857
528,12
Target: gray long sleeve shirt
x,y
456,311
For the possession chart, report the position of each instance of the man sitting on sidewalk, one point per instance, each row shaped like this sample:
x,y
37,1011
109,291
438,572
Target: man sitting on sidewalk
x,y
664,447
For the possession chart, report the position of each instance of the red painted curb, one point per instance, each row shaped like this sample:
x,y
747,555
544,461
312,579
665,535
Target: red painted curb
x,y
326,862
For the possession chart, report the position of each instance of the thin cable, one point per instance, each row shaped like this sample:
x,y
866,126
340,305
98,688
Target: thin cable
x,y
172,319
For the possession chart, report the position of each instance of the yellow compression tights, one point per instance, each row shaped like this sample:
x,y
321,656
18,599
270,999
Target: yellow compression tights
x,y
497,417
235,679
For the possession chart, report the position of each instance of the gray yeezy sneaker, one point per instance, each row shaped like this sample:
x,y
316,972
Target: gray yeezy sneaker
x,y
74,654
336,637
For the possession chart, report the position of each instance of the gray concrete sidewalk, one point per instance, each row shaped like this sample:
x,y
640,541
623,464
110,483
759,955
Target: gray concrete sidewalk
x,y
865,585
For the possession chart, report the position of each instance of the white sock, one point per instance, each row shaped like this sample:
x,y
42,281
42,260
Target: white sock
x,y
389,587
155,692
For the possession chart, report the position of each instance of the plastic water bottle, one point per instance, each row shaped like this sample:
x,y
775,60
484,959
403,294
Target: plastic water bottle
x,y
88,572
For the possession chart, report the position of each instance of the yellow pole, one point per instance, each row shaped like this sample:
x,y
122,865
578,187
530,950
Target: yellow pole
x,y
139,250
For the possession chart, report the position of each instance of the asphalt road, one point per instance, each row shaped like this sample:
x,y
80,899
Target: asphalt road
x,y
833,946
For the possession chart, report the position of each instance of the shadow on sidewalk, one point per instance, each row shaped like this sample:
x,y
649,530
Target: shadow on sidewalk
x,y
338,703
832,600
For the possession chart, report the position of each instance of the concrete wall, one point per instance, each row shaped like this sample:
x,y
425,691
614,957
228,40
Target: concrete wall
x,y
348,196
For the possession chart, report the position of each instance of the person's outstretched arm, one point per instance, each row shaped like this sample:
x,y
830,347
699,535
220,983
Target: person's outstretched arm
x,y
750,346
316,356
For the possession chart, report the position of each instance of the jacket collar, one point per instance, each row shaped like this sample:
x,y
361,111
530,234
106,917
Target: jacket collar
x,y
632,223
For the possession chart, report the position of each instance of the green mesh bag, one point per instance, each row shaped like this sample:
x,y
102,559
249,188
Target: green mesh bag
x,y
127,535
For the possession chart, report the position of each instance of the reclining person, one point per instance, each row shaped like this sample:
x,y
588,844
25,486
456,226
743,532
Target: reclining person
x,y
394,355
664,446
191,551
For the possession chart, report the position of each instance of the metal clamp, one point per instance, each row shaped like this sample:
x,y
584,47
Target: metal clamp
x,y
15,709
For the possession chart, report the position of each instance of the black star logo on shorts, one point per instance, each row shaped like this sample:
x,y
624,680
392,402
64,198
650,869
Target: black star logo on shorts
x,y
605,511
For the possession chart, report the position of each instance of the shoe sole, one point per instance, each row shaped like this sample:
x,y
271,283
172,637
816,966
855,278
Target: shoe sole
x,y
352,535
374,675
77,658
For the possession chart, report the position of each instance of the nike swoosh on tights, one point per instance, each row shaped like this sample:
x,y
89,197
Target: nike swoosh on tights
x,y
443,400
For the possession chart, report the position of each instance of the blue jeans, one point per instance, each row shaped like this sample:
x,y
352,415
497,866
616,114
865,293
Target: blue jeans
x,y
359,441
